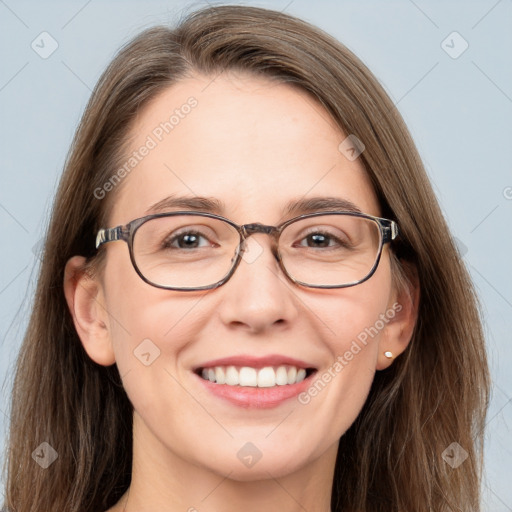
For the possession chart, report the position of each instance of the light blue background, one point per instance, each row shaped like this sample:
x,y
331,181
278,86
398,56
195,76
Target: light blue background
x,y
458,110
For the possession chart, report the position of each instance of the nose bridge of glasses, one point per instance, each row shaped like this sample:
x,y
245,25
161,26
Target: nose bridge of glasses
x,y
252,229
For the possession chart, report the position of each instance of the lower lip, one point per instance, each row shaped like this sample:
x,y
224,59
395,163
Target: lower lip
x,y
256,398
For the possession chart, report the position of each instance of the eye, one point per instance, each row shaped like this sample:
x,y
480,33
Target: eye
x,y
185,239
317,239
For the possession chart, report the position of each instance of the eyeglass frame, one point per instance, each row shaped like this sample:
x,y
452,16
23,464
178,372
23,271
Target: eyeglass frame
x,y
388,230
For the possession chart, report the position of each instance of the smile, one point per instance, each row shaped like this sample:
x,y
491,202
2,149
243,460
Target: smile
x,y
254,382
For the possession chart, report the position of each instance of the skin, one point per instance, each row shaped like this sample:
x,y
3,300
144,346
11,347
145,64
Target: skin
x,y
255,145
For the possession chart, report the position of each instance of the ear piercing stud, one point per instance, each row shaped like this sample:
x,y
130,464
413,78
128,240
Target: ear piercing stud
x,y
388,354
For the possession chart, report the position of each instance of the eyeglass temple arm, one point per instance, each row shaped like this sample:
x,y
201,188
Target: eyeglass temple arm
x,y
390,231
109,235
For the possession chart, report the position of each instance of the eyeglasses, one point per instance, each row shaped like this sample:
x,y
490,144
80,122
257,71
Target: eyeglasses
x,y
191,251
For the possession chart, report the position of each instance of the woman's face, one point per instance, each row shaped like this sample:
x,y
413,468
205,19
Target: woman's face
x,y
254,145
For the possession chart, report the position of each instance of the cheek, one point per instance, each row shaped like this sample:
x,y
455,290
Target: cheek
x,y
355,320
356,323
149,328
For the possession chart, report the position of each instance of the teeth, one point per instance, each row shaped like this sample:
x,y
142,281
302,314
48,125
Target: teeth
x,y
220,375
292,375
246,376
266,377
281,376
232,378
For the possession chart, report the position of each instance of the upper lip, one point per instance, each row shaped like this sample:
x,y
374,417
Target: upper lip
x,y
255,362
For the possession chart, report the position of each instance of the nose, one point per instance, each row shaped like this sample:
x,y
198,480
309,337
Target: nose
x,y
258,296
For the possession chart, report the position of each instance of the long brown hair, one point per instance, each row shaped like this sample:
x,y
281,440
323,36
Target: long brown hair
x,y
434,394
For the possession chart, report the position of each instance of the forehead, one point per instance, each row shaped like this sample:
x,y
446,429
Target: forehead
x,y
254,144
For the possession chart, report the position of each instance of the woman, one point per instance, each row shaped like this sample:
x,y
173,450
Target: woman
x,y
249,296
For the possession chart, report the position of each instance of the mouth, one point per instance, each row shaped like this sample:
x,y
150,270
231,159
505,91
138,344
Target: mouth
x,y
253,382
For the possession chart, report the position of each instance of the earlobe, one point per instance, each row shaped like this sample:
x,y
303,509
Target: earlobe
x,y
85,301
398,332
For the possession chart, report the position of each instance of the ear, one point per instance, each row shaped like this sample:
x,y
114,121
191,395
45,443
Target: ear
x,y
402,315
85,298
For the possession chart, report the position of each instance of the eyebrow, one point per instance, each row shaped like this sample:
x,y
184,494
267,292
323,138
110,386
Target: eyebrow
x,y
215,206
